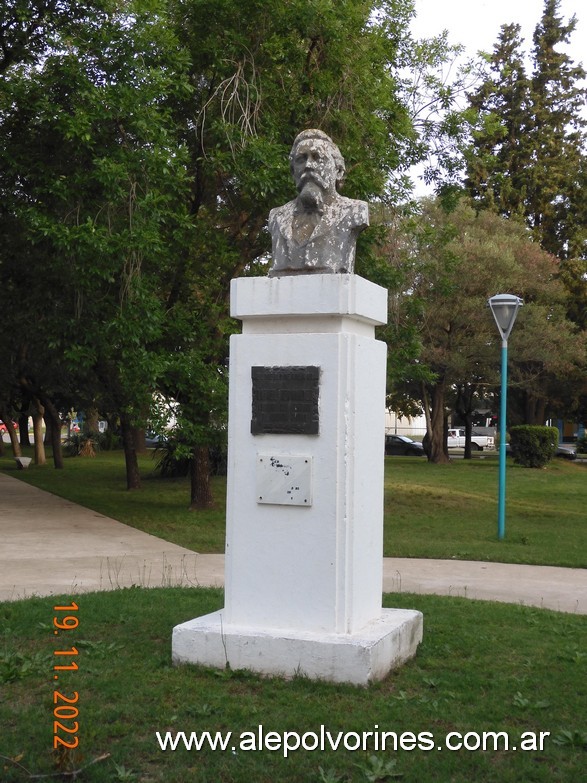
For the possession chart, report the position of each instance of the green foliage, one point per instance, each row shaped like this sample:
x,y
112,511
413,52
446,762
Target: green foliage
x,y
172,461
527,154
377,769
94,184
533,446
16,665
29,27
441,335
573,274
173,458
435,86
88,443
139,159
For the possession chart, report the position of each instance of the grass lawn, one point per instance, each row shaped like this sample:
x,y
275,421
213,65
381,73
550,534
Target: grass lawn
x,y
440,511
450,511
482,668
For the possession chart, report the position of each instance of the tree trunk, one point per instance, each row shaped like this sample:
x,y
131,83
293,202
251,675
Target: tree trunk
x,y
23,427
133,477
534,409
464,407
437,451
16,451
426,406
91,421
47,438
37,414
139,438
468,435
53,422
201,492
541,411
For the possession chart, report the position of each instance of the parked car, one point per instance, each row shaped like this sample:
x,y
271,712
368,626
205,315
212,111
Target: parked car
x,y
153,440
3,426
564,450
400,445
456,440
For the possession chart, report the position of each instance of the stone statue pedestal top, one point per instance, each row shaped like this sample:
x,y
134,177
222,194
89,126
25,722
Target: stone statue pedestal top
x,y
307,297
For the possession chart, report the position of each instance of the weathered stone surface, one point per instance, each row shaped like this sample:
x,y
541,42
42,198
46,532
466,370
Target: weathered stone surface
x,y
316,233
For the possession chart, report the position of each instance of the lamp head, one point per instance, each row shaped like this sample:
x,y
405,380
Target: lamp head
x,y
505,309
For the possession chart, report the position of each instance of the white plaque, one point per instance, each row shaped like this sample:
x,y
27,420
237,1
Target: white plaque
x,y
284,480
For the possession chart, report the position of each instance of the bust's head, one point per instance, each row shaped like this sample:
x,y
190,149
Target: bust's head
x,y
316,164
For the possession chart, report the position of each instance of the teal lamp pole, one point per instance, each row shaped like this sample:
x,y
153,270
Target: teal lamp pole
x,y
505,309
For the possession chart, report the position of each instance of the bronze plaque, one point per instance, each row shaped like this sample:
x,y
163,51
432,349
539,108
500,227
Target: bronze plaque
x,y
285,400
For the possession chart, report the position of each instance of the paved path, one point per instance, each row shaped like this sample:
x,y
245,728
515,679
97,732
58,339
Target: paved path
x,y
50,546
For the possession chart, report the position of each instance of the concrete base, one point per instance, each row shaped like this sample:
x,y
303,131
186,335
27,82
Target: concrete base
x,y
382,645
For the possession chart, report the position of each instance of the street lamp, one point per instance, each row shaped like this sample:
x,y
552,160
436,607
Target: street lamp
x,y
505,309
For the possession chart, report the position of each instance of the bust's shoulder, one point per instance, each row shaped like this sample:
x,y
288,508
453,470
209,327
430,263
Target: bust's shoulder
x,y
357,210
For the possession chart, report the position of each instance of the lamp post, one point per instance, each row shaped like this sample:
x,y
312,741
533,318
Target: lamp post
x,y
505,309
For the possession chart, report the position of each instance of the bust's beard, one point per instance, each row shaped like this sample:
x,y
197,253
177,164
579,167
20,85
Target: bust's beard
x,y
312,197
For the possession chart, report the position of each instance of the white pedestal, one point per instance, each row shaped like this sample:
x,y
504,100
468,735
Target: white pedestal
x,y
305,511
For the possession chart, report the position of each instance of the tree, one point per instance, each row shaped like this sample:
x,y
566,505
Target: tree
x,y
28,28
436,83
528,160
451,263
140,158
557,136
258,79
500,153
527,155
94,193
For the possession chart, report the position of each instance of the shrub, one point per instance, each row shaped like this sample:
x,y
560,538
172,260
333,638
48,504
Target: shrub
x,y
532,446
110,440
174,458
81,445
582,444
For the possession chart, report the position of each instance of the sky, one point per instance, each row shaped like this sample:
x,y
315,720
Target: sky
x,y
476,24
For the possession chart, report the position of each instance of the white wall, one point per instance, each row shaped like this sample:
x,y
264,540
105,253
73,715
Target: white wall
x,y
400,425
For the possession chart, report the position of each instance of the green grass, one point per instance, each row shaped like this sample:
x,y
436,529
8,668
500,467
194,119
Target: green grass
x,y
434,511
450,511
481,667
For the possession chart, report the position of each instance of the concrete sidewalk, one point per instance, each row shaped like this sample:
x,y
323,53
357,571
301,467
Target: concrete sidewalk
x,y
50,546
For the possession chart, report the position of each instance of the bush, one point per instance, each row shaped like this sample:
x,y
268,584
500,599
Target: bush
x,y
174,459
82,444
582,444
532,446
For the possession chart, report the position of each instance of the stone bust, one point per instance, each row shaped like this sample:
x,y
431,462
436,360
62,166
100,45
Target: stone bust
x,y
316,233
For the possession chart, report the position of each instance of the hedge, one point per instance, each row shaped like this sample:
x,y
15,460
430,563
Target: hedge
x,y
533,446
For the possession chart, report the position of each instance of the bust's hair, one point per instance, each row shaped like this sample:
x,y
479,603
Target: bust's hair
x,y
315,133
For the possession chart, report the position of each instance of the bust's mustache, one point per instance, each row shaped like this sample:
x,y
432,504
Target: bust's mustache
x,y
312,177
